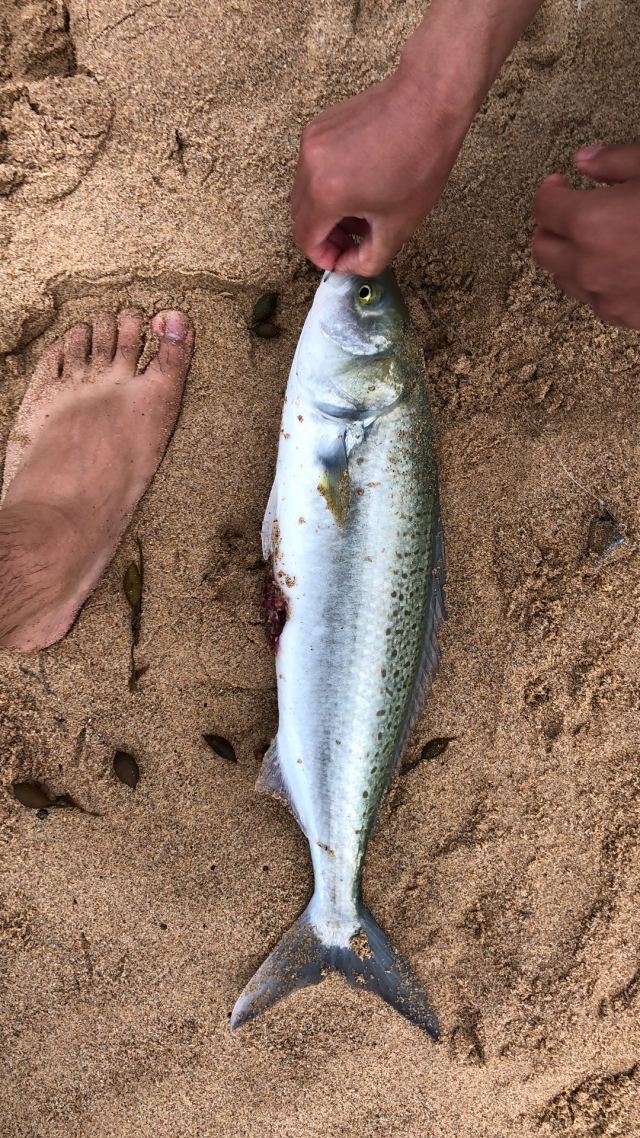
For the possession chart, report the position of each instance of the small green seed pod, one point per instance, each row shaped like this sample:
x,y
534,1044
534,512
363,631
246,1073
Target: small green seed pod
x,y
264,308
126,768
434,748
31,794
132,585
266,330
221,747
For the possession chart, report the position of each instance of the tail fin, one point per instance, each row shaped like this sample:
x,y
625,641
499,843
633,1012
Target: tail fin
x,y
369,961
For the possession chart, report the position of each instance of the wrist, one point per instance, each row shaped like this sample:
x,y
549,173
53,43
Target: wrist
x,y
435,111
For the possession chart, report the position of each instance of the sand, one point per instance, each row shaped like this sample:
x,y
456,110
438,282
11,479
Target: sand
x,y
146,157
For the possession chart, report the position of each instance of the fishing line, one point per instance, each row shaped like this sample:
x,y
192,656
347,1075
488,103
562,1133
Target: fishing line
x,y
567,472
468,347
619,535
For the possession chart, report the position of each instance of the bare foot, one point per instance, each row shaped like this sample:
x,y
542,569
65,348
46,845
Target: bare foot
x,y
87,441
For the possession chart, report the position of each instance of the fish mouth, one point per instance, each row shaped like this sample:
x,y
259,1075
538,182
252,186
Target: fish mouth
x,y
338,281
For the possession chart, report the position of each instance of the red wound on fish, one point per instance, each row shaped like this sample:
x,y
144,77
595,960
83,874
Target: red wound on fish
x,y
275,603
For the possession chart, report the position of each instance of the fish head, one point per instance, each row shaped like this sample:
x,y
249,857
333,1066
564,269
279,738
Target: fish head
x,y
353,351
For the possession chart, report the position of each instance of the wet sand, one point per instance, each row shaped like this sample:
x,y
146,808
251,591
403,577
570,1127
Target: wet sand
x,y
147,158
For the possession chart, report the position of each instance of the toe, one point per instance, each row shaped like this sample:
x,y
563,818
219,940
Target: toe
x,y
129,338
49,367
176,346
77,345
103,341
47,371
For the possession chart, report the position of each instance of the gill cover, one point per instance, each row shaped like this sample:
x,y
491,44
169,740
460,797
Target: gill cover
x,y
353,352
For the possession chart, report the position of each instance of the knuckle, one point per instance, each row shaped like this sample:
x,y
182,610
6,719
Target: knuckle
x,y
369,266
310,145
586,275
325,188
579,227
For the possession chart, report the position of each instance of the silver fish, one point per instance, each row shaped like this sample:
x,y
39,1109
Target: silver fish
x,y
354,535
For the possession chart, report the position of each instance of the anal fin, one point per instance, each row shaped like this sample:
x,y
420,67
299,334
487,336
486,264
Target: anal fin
x,y
271,781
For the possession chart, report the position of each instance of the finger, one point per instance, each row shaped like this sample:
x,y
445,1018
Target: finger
x,y
566,284
328,252
340,236
554,254
370,257
609,163
554,205
176,346
319,239
324,254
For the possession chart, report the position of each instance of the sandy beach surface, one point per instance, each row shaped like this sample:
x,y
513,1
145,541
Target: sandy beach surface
x,y
146,155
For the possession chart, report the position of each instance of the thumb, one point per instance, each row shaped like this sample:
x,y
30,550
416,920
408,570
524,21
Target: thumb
x,y
370,257
609,163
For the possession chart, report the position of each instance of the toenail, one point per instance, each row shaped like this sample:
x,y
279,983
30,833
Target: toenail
x,y
587,153
175,326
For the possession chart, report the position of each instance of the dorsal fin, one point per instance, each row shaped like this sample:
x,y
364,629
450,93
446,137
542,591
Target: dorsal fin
x,y
430,653
270,780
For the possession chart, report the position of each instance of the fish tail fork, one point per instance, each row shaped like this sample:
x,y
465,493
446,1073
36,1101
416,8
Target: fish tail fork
x,y
368,961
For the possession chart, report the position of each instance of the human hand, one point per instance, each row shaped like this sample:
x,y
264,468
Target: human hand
x,y
373,166
590,239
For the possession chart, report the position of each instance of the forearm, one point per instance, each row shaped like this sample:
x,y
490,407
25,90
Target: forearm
x,y
452,59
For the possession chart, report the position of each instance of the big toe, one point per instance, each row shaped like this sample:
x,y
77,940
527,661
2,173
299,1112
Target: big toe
x,y
176,336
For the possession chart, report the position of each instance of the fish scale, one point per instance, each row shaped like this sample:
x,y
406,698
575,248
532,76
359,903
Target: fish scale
x,y
353,532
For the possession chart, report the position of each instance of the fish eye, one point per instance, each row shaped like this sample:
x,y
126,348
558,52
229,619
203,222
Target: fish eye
x,y
369,293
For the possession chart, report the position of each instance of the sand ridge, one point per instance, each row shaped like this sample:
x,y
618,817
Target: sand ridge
x,y
506,870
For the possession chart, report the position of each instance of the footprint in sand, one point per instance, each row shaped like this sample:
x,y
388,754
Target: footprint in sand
x,y
53,121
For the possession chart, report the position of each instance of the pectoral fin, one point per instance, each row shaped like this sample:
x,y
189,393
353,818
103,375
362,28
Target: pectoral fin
x,y
270,524
334,482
